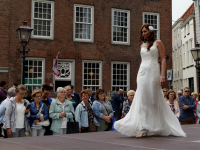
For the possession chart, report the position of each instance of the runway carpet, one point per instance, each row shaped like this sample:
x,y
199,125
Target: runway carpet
x,y
111,140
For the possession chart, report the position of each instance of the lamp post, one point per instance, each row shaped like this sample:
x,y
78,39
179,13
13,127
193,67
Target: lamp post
x,y
196,55
24,33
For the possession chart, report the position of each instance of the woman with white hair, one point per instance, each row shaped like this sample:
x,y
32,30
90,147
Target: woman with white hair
x,y
61,110
11,93
128,102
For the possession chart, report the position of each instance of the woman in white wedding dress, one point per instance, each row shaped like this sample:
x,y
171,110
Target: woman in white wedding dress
x,y
149,113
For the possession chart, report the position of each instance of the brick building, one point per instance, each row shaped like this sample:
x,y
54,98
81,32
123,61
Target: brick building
x,y
98,40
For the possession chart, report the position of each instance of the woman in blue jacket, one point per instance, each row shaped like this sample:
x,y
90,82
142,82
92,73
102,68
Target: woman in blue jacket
x,y
102,110
37,130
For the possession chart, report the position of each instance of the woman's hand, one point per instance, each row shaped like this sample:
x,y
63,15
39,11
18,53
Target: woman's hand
x,y
41,118
162,81
62,114
36,121
26,110
9,131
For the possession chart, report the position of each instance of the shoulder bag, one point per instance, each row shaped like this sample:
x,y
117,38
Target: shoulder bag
x,y
43,123
72,127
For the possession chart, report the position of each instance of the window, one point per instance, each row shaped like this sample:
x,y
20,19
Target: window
x,y
83,23
120,76
120,26
92,75
34,72
154,20
42,19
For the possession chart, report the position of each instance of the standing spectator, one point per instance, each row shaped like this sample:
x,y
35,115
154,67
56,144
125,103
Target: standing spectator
x,y
91,96
127,103
16,114
165,93
3,94
75,96
61,110
53,94
173,103
84,113
11,93
46,89
179,94
117,104
71,98
15,85
37,130
194,95
187,105
102,110
198,113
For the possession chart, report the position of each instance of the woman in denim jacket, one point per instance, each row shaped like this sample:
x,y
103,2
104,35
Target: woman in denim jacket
x,y
37,130
81,113
102,110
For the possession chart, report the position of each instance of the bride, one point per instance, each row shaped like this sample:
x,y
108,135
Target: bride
x,y
149,113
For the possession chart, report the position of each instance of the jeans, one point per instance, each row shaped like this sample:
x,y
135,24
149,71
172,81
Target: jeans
x,y
37,132
18,133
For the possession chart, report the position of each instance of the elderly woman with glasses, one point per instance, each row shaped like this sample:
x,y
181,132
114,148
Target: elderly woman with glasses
x,y
36,106
127,103
16,114
102,110
173,103
61,111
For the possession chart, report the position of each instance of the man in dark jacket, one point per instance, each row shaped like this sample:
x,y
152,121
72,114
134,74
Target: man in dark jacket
x,y
117,104
187,106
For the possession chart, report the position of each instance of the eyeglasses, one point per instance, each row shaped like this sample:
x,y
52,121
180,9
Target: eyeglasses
x,y
38,96
22,93
187,91
62,92
131,95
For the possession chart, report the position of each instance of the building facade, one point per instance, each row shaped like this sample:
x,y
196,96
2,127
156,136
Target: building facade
x,y
97,41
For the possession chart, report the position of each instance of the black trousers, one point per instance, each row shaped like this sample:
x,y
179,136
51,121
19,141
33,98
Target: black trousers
x,y
4,131
118,114
84,130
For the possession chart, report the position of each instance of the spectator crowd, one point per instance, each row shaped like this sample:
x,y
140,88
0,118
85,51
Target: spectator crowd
x,y
47,112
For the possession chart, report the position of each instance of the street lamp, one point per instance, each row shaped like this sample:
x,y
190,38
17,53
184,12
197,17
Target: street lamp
x,y
24,33
196,55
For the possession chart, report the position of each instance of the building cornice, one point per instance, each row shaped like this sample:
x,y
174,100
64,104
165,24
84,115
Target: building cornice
x,y
187,20
179,20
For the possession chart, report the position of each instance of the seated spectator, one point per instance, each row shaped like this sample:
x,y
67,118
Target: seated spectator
x,y
127,103
84,113
102,110
173,103
11,93
16,114
34,118
71,98
187,105
61,111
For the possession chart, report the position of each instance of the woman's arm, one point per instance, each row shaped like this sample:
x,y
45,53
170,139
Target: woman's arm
x,y
46,114
52,112
78,115
8,114
161,50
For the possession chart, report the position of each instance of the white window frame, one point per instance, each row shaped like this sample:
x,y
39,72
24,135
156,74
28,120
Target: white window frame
x,y
91,40
51,37
100,72
128,26
128,74
43,69
158,21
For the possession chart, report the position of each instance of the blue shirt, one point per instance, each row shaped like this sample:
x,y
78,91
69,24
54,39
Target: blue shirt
x,y
3,109
185,114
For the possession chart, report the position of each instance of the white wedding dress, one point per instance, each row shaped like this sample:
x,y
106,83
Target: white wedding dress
x,y
149,111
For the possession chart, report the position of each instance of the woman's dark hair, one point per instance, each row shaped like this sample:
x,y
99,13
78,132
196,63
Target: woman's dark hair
x,y
46,87
171,91
97,93
2,83
151,37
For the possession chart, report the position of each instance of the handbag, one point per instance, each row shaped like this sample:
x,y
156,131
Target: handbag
x,y
43,123
72,127
92,127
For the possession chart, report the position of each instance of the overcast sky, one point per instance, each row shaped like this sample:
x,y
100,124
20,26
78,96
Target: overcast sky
x,y
179,7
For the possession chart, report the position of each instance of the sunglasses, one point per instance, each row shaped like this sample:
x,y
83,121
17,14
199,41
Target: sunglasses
x,y
187,91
